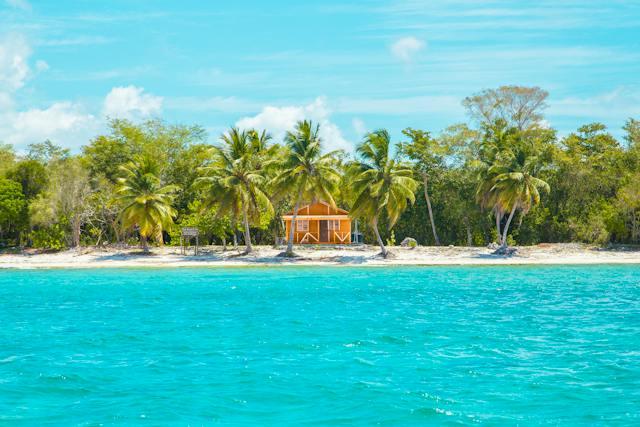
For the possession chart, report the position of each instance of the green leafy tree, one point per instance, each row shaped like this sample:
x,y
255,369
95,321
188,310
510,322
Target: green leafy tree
x,y
13,206
146,203
428,155
518,106
68,192
7,158
305,171
381,183
32,175
47,151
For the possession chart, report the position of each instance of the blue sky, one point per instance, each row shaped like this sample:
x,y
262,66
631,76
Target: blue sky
x,y
352,66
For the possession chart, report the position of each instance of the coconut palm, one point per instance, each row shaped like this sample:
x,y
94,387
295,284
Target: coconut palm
x,y
495,151
380,182
146,202
507,180
517,188
305,171
235,180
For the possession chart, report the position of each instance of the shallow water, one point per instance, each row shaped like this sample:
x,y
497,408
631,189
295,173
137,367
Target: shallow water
x,y
321,346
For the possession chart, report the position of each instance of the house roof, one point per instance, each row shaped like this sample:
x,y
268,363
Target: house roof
x,y
339,212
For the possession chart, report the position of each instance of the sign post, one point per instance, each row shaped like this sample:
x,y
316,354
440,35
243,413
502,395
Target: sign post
x,y
185,239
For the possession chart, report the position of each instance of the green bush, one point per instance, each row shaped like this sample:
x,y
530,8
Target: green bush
x,y
51,237
391,241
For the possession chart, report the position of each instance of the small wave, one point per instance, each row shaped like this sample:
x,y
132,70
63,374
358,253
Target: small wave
x,y
364,361
9,359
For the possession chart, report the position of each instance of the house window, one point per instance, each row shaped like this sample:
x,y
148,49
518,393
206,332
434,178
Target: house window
x,y
302,225
334,225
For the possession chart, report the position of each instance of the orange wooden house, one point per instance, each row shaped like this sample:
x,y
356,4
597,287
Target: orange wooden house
x,y
319,223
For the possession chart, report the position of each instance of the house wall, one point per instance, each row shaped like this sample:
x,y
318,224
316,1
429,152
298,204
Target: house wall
x,y
314,228
314,225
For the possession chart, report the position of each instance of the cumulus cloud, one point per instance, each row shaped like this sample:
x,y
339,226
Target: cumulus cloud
x,y
406,48
359,127
279,120
14,66
65,123
130,102
6,102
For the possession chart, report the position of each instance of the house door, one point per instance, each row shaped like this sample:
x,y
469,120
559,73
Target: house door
x,y
324,231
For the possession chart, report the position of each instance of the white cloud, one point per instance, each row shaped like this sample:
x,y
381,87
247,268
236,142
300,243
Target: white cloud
x,y
69,123
6,102
42,65
14,66
19,4
76,41
617,104
130,102
406,48
279,120
359,127
65,123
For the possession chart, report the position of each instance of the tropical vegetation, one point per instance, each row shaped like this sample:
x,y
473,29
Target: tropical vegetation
x,y
504,176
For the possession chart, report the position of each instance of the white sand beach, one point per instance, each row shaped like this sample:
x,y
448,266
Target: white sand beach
x,y
214,256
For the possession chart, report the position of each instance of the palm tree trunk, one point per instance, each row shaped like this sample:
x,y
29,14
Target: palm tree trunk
x,y
145,245
506,227
293,224
426,196
498,215
374,224
234,231
247,232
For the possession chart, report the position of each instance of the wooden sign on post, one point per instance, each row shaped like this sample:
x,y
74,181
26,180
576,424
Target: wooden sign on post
x,y
185,238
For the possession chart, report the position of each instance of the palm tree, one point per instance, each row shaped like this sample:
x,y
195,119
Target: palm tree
x,y
235,178
517,189
147,203
305,171
507,178
380,182
495,151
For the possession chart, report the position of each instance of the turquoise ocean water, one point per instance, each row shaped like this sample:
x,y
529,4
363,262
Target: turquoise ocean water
x,y
321,346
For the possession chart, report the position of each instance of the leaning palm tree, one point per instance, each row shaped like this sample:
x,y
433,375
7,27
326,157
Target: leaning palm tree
x,y
381,183
235,179
306,171
517,189
146,202
494,157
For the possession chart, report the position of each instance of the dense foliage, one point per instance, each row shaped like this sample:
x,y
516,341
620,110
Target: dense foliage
x,y
504,177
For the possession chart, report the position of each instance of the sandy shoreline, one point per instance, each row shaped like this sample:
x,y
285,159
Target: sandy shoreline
x,y
213,256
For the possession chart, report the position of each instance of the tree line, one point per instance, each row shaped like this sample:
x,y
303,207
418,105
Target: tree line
x,y
505,176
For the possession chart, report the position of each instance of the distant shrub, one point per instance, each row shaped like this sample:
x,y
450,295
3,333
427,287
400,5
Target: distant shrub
x,y
391,241
51,237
